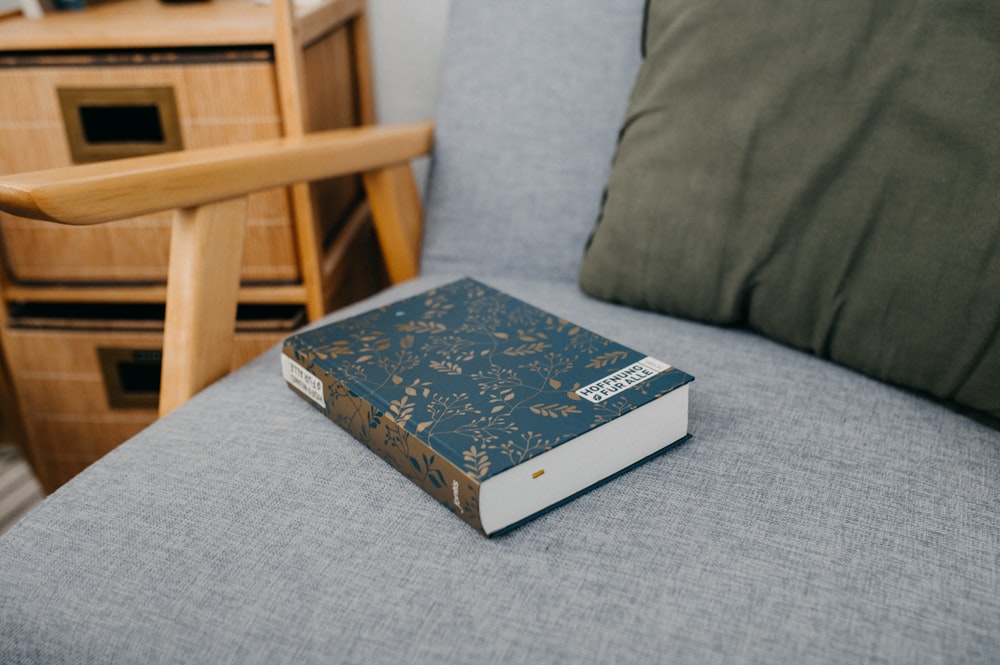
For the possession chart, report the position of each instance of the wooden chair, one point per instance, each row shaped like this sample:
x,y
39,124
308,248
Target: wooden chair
x,y
208,190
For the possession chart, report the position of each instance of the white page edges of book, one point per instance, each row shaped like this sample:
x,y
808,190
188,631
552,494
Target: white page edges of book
x,y
533,486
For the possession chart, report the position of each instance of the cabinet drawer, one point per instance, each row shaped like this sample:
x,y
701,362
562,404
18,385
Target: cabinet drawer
x,y
87,381
218,97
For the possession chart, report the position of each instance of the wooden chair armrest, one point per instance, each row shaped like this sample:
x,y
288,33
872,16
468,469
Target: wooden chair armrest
x,y
108,191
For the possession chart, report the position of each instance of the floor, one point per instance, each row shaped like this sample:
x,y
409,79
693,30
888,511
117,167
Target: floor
x,y
19,490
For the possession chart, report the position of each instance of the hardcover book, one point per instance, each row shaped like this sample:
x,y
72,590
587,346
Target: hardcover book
x,y
498,409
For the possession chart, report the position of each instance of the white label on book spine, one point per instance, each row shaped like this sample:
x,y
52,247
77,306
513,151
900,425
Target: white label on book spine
x,y
297,376
622,379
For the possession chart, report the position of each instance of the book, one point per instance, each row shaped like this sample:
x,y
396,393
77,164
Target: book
x,y
499,410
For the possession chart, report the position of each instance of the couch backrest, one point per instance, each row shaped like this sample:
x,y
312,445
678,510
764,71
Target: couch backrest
x,y
533,95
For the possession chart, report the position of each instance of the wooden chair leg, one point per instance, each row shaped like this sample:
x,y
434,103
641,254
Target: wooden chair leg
x,y
206,252
397,216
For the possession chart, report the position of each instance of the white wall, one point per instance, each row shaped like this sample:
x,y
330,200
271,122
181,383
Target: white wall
x,y
406,37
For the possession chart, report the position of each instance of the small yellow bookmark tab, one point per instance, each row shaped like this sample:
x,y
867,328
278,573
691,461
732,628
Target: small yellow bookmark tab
x,y
538,473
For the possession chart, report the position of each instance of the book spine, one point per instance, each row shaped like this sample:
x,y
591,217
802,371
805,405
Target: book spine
x,y
381,432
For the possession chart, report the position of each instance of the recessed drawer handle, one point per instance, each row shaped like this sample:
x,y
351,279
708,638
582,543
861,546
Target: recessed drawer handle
x,y
131,377
110,123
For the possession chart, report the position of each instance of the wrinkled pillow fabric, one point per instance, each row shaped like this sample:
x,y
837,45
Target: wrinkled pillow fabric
x,y
827,174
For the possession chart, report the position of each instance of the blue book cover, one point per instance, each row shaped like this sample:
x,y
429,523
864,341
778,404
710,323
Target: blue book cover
x,y
496,408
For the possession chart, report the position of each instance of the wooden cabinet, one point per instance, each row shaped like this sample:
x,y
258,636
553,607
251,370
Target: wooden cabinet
x,y
129,77
211,99
88,377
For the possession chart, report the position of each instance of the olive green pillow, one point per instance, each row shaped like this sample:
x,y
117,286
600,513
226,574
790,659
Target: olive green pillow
x,y
826,173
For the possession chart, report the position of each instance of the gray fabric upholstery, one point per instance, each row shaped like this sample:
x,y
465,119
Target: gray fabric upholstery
x,y
532,97
816,516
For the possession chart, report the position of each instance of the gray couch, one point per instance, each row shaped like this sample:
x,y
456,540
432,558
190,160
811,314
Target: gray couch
x,y
816,516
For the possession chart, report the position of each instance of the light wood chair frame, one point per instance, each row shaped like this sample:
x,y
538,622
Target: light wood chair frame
x,y
207,189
